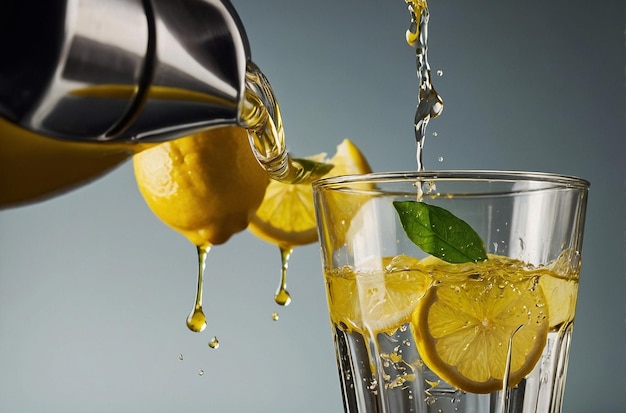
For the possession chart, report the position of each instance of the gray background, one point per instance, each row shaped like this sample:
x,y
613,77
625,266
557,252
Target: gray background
x,y
94,290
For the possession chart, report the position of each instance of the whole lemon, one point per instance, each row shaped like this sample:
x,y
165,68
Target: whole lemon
x,y
205,186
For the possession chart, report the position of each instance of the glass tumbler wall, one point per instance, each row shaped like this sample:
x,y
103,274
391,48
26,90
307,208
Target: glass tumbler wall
x,y
452,329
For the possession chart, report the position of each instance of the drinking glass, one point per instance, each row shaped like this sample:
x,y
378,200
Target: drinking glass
x,y
451,291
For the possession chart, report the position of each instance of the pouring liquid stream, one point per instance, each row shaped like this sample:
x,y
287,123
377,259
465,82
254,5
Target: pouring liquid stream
x,y
260,115
429,103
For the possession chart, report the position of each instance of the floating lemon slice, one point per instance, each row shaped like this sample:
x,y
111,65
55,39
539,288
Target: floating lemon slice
x,y
286,216
465,322
378,300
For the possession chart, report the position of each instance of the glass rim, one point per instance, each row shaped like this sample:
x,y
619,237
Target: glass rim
x,y
559,180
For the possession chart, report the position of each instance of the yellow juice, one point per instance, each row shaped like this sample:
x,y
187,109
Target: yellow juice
x,y
452,336
35,168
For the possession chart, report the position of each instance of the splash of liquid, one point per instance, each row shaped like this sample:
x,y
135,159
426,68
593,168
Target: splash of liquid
x,y
429,103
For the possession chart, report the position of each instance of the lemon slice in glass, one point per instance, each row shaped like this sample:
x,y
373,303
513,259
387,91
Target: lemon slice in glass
x,y
465,322
377,300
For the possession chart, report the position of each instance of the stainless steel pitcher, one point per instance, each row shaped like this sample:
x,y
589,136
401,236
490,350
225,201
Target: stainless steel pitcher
x,y
128,70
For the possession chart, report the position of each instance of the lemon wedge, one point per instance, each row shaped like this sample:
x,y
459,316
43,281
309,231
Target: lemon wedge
x,y
286,216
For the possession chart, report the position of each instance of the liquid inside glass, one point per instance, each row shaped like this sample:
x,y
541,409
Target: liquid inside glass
x,y
376,320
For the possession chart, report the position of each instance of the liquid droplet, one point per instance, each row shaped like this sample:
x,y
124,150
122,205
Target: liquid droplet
x,y
180,357
440,159
196,320
282,296
439,72
275,316
435,134
200,372
214,343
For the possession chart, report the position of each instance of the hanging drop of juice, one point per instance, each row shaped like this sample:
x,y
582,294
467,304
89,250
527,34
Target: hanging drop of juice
x,y
196,320
275,316
282,296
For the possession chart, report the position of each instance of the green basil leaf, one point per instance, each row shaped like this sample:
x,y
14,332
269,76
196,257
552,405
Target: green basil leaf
x,y
438,232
